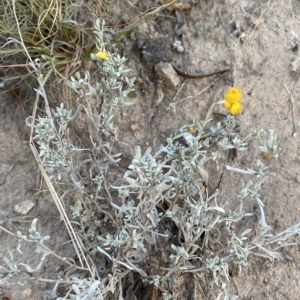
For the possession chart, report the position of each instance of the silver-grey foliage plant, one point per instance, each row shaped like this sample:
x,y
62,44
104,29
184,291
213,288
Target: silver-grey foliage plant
x,y
164,219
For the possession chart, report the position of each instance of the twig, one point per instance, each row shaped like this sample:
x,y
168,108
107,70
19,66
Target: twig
x,y
123,32
191,97
231,53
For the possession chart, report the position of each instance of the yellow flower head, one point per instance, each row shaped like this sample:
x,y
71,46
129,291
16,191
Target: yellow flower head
x,y
233,95
232,100
191,129
267,155
101,55
227,105
235,108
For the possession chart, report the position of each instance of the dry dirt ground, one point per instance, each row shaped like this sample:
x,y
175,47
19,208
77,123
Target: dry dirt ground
x,y
258,32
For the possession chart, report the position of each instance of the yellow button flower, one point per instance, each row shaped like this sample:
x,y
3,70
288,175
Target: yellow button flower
x,y
232,100
227,105
235,108
267,155
101,55
233,95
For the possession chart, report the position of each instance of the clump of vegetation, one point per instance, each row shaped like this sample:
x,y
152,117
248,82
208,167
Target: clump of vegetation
x,y
159,219
53,32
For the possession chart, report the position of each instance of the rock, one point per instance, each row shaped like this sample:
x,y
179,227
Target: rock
x,y
24,207
155,50
168,75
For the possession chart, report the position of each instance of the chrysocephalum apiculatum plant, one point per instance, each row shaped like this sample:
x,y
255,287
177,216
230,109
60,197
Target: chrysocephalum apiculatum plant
x,y
163,219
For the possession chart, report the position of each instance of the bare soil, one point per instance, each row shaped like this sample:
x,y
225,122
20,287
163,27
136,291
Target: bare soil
x,y
257,32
